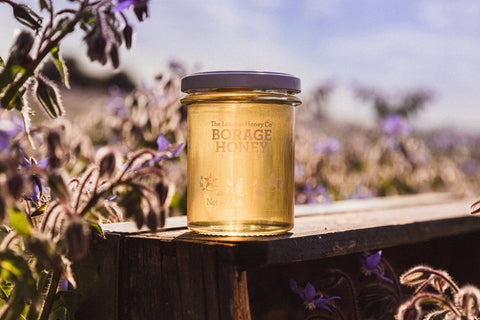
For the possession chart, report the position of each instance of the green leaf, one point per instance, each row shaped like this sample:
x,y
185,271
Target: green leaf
x,y
65,305
43,4
1,62
60,64
19,222
97,229
15,306
3,293
39,211
18,102
49,98
15,268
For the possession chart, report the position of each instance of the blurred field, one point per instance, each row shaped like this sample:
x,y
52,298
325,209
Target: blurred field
x,y
334,160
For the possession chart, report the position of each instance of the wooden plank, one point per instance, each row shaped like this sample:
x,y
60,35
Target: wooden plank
x,y
190,276
210,283
326,235
375,204
97,281
233,296
148,283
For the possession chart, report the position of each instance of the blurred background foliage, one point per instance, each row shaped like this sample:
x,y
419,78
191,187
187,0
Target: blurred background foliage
x,y
334,160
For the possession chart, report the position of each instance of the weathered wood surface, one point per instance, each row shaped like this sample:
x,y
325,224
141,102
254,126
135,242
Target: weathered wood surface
x,y
338,229
176,274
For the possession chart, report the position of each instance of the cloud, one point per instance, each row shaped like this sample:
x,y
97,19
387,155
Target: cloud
x,y
446,14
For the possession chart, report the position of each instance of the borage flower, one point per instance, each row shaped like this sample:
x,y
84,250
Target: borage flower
x,y
139,7
394,125
370,265
311,298
328,146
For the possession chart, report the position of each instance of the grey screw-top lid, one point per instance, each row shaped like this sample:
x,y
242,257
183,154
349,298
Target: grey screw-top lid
x,y
240,79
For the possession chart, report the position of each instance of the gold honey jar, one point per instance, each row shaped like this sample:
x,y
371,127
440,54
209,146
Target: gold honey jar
x,y
240,172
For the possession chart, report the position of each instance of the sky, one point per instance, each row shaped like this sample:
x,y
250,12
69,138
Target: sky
x,y
393,46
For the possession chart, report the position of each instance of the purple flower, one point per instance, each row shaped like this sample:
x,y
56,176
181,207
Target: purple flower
x,y
394,125
139,7
449,139
328,146
38,185
470,167
116,104
319,194
311,298
361,192
8,130
123,4
370,265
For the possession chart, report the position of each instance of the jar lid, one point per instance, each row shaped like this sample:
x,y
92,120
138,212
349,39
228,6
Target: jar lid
x,y
240,79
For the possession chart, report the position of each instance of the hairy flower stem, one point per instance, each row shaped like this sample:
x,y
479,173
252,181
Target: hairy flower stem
x,y
49,299
30,70
353,292
394,276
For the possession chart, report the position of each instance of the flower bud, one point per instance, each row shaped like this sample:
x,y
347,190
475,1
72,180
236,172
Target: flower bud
x,y
139,218
152,220
77,236
97,44
162,218
26,16
162,192
3,208
23,44
58,187
127,36
131,202
114,56
108,164
49,97
15,185
416,276
141,9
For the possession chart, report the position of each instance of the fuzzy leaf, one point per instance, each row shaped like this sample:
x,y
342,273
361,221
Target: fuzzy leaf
x,y
19,222
45,253
1,62
60,64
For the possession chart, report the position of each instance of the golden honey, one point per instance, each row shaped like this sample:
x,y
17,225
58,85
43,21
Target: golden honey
x,y
240,172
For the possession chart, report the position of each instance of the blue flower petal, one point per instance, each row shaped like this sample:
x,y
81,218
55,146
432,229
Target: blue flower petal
x,y
178,149
162,143
122,5
309,292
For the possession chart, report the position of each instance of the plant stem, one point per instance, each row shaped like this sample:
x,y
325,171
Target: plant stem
x,y
49,299
393,275
352,290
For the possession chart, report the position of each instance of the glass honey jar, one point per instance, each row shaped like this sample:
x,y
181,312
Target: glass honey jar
x,y
240,171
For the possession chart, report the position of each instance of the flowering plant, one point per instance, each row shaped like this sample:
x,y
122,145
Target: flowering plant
x,y
55,190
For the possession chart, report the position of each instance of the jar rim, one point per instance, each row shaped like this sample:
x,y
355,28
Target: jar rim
x,y
258,80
